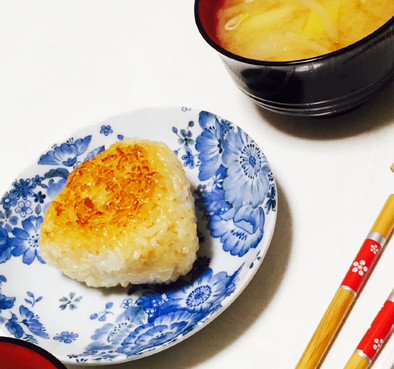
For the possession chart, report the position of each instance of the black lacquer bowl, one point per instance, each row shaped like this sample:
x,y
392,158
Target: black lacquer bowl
x,y
321,86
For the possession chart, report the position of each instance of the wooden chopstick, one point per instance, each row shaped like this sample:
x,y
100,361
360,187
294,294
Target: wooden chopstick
x,y
349,288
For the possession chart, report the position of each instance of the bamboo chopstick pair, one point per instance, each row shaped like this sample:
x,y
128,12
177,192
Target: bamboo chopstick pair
x,y
340,305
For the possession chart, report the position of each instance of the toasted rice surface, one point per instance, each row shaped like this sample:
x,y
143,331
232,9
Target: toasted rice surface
x,y
125,216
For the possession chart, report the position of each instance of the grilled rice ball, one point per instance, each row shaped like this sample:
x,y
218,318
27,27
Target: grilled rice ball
x,y
125,216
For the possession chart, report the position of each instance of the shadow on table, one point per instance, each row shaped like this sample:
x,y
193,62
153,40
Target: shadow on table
x,y
375,113
240,316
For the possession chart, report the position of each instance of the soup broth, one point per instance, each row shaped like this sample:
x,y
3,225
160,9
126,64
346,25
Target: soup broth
x,y
284,30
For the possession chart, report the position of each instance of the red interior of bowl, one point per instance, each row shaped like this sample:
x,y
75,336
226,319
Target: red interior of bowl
x,y
14,355
207,10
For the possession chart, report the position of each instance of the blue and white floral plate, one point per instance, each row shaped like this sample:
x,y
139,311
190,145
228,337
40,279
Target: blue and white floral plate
x,y
235,197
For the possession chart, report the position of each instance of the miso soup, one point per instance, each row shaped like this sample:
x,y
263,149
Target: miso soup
x,y
284,30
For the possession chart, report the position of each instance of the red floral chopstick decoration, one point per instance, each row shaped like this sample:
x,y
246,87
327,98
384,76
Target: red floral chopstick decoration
x,y
379,331
363,263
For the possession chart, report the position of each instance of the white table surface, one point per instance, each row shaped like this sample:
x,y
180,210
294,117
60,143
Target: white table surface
x,y
67,64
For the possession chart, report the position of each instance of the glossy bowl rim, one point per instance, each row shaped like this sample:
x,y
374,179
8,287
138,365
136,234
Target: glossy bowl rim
x,y
289,63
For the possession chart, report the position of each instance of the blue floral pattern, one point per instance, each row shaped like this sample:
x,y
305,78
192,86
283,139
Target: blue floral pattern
x,y
70,302
102,316
25,242
236,200
237,179
106,130
31,299
21,322
66,337
67,153
160,315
